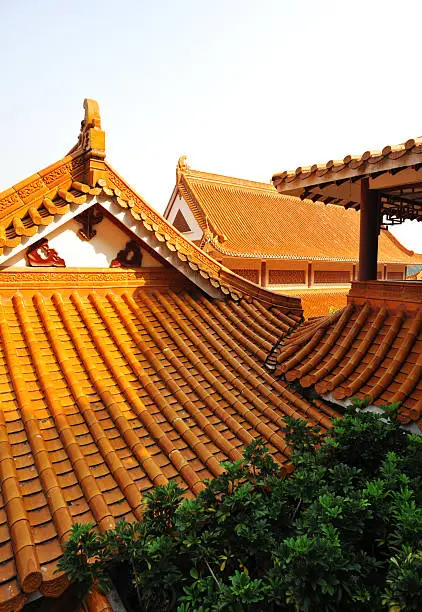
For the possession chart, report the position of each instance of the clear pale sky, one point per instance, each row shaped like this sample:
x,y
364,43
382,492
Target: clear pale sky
x,y
243,87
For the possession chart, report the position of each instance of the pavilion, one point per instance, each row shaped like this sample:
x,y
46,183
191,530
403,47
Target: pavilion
x,y
372,348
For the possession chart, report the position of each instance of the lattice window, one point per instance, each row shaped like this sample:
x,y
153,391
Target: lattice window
x,y
251,275
286,277
331,276
394,275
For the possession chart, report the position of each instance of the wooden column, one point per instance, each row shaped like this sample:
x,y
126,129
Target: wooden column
x,y
368,242
354,272
309,274
263,273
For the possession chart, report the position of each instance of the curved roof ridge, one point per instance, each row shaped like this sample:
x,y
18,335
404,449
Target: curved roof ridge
x,y
190,173
401,246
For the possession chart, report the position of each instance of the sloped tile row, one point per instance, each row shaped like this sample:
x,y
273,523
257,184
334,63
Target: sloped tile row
x,y
363,351
105,396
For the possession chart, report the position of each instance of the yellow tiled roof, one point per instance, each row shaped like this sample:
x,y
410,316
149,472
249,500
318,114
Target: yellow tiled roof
x,y
106,394
390,157
415,276
317,302
115,381
34,203
243,218
372,348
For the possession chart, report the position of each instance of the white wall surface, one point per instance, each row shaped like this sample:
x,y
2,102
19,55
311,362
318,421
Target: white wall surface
x,y
180,204
95,253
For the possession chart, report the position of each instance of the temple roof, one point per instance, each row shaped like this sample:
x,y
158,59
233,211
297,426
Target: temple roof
x,y
72,183
370,349
415,276
243,218
113,381
106,393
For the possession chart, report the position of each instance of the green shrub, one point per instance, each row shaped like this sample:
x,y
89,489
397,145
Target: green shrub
x,y
342,532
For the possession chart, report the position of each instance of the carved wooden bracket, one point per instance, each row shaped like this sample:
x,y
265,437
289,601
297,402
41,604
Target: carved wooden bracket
x,y
41,255
89,218
129,257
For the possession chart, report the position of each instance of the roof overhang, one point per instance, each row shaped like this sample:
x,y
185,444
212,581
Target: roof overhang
x,y
395,173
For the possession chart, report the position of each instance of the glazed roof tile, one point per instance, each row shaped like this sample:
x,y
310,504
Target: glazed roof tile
x,y
391,157
415,276
106,394
243,218
370,349
116,381
318,302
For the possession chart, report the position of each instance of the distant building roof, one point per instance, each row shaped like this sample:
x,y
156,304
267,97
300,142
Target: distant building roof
x,y
318,301
242,218
415,276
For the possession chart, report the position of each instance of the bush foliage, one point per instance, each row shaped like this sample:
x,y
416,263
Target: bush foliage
x,y
342,532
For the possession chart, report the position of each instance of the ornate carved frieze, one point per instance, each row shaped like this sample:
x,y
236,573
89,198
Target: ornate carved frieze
x,y
154,218
42,256
129,257
331,276
10,200
68,168
78,279
252,275
57,173
30,188
90,217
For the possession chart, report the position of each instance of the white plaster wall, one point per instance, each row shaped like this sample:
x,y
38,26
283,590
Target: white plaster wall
x,y
95,253
179,203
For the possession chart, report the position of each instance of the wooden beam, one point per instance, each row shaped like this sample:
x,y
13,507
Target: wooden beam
x,y
345,191
399,178
368,242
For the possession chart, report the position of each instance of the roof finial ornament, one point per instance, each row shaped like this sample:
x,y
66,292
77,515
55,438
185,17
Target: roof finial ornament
x,y
92,114
91,137
182,163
